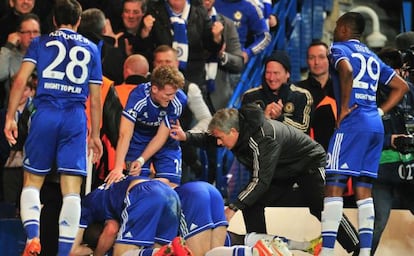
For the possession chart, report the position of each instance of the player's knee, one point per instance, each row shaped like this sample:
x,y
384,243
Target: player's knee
x,y
111,228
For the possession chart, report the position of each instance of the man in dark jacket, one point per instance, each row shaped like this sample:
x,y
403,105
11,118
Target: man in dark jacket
x,y
277,156
280,99
194,35
275,153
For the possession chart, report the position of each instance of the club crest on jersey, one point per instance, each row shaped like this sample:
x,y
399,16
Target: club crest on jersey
x,y
132,113
179,50
289,108
238,15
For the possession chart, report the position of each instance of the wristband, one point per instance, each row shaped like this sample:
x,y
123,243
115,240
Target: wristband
x,y
140,160
233,207
380,112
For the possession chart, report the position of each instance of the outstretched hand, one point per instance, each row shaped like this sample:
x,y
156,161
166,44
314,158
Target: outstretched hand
x,y
177,133
114,176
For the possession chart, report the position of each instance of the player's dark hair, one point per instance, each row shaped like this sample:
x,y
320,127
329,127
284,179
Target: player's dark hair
x,y
93,21
355,21
67,12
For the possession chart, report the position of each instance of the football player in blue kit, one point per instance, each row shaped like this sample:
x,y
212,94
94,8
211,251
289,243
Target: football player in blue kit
x,y
355,147
203,209
148,213
145,126
69,70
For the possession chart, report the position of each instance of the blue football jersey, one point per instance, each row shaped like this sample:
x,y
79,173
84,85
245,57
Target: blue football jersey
x,y
148,116
66,63
368,72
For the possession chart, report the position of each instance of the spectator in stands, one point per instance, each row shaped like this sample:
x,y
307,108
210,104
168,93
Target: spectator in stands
x,y
136,71
185,26
125,39
319,84
356,73
249,21
223,70
11,20
394,186
196,115
266,6
12,53
111,8
281,100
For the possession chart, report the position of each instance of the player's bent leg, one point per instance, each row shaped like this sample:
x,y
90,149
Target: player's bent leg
x,y
218,236
200,242
120,249
107,238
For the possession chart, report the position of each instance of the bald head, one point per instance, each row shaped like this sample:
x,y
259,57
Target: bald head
x,y
136,64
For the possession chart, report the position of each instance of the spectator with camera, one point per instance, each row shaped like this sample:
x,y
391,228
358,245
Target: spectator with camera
x,y
394,186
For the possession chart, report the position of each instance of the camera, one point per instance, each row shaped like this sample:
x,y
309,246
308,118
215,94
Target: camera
x,y
405,144
408,60
409,123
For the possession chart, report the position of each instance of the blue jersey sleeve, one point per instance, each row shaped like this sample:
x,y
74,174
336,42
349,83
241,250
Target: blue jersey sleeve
x,y
96,65
337,54
137,101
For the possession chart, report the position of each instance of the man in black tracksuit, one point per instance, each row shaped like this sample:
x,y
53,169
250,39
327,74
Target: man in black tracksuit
x,y
293,105
277,155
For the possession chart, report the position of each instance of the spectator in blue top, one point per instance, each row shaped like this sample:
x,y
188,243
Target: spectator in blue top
x,y
248,19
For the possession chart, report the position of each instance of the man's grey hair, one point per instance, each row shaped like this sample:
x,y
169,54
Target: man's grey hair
x,y
225,119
